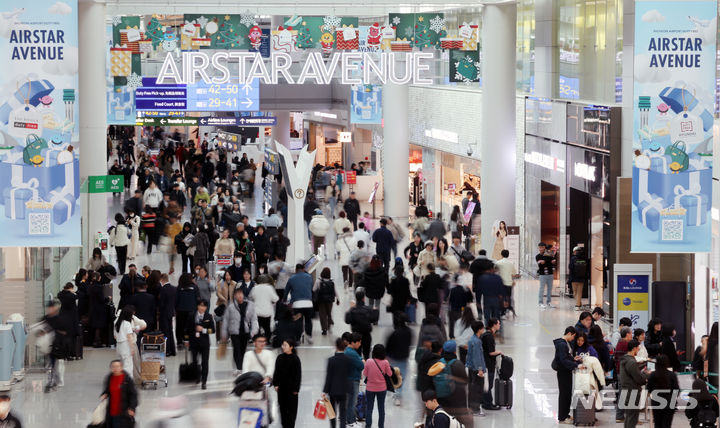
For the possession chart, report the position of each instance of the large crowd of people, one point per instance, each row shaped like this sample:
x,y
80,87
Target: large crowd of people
x,y
235,287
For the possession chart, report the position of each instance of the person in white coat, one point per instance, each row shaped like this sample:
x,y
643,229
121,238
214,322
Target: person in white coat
x,y
259,359
341,223
125,338
152,196
264,296
345,244
319,227
591,379
133,221
119,238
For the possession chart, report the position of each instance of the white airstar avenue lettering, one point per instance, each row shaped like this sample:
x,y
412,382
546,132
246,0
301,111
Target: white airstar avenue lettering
x,y
355,68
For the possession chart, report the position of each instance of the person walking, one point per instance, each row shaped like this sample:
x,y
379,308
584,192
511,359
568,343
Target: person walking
x,y
121,395
59,349
352,209
564,364
384,242
376,368
337,383
546,268
120,239
332,194
490,354
318,227
182,241
361,318
489,286
185,304
374,282
397,346
475,363
298,292
259,359
324,290
202,282
166,308
240,323
578,275
287,379
198,329
352,351
663,383
459,300
134,222
429,290
631,381
264,296
508,273
125,337
399,289
397,232
345,245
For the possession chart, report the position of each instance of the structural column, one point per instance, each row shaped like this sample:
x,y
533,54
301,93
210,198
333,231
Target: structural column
x,y
281,130
395,152
91,96
546,49
497,173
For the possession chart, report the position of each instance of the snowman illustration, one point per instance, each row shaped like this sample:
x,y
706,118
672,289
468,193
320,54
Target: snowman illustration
x,y
169,40
255,36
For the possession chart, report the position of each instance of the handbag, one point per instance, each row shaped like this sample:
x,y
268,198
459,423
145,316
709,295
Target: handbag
x,y
320,411
220,310
388,379
417,271
221,351
98,415
329,408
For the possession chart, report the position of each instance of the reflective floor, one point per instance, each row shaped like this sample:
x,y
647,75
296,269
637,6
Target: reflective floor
x,y
528,339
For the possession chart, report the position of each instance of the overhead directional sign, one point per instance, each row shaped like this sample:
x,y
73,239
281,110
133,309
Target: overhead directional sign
x,y
238,121
198,97
167,121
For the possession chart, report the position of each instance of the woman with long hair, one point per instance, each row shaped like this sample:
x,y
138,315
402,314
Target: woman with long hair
x,y
286,380
597,340
663,383
120,240
98,311
463,332
446,260
375,369
97,260
185,304
500,235
668,346
654,337
125,337
457,221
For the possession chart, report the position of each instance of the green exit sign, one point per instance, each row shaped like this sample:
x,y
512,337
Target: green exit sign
x,y
106,183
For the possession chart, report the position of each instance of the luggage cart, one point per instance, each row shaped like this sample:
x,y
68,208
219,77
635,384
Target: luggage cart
x,y
254,409
152,363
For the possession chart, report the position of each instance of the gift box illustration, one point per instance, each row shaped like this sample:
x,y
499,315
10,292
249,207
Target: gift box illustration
x,y
403,45
46,177
120,62
451,43
284,40
17,194
469,34
348,39
30,91
131,38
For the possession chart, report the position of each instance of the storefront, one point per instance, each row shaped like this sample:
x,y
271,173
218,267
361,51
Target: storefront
x,y
568,186
458,175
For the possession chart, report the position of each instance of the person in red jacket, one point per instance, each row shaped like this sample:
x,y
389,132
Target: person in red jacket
x,y
119,389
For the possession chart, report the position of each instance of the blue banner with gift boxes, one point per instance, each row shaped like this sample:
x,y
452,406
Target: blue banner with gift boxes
x,y
674,90
39,166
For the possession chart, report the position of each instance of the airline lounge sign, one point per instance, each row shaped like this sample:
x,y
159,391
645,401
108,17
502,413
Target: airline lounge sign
x,y
354,68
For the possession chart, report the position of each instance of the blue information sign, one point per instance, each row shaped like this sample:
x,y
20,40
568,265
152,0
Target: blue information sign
x,y
200,96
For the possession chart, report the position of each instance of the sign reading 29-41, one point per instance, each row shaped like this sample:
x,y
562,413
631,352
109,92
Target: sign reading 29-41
x,y
39,183
673,104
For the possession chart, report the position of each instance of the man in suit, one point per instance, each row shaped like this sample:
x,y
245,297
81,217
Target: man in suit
x,y
145,309
166,306
128,285
337,381
199,328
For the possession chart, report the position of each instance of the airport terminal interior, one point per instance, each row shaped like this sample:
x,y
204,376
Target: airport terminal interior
x,y
208,218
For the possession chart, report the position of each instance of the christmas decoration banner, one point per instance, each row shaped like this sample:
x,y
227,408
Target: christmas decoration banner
x,y
319,31
423,30
674,93
39,182
230,32
464,66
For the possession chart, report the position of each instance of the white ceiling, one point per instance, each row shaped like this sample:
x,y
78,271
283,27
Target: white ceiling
x,y
366,8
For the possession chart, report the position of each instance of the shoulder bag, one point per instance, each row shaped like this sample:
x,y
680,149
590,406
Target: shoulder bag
x,y
388,379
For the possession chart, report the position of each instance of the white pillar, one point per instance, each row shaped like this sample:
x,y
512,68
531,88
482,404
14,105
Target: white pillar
x,y
546,49
93,160
281,130
497,172
627,127
395,151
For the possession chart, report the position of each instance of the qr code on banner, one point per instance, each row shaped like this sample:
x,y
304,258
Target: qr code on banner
x,y
672,230
39,223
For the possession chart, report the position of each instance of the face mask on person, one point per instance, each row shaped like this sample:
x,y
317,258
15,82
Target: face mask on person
x,y
238,261
197,271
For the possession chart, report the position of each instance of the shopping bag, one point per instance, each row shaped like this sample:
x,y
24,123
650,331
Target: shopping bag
x,y
320,411
329,409
221,351
98,415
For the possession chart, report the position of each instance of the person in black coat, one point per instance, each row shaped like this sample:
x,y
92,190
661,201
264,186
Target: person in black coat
x,y
421,210
352,209
564,363
119,390
399,288
261,243
128,285
375,282
145,309
666,384
198,328
98,310
384,243
361,318
69,316
668,347
429,289
166,309
185,302
286,380
337,381
82,291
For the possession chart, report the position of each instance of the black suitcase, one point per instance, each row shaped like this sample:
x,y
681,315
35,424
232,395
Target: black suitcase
x,y
189,371
79,343
503,393
582,415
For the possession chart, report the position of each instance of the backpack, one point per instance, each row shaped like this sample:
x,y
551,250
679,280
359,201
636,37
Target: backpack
x,y
326,291
454,423
579,269
705,417
443,382
506,368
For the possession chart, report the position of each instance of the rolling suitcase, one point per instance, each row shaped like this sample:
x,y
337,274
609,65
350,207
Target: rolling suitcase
x,y
503,393
188,371
584,414
411,312
78,352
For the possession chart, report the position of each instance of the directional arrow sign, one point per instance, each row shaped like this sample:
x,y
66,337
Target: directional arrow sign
x,y
247,103
167,121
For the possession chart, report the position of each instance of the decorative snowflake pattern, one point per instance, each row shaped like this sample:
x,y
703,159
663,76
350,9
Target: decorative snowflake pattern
x,y
116,20
464,78
331,22
396,20
437,24
409,31
202,21
248,19
134,81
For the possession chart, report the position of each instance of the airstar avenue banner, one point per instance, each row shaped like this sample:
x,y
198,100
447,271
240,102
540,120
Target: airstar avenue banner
x,y
673,101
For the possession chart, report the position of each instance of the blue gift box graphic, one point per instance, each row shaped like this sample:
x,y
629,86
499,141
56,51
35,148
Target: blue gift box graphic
x,y
663,185
63,204
48,177
649,212
17,195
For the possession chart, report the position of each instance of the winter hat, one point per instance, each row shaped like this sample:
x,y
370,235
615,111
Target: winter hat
x,y
318,211
428,242
450,346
